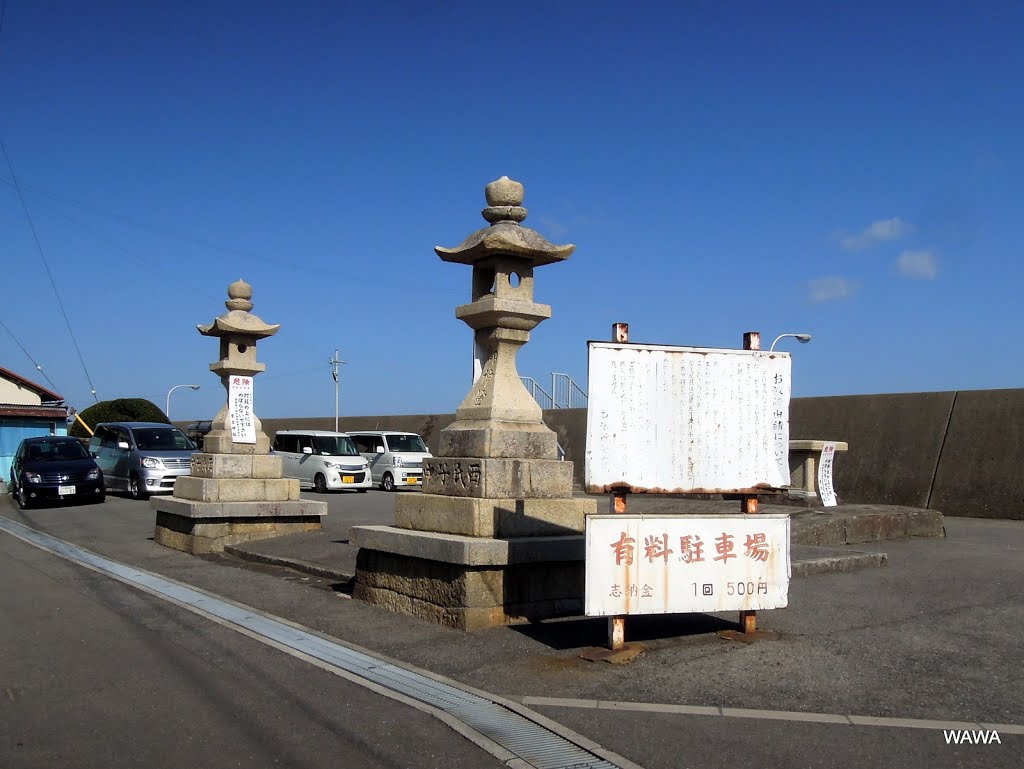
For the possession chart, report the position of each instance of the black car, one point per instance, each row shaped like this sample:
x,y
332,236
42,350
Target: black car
x,y
55,468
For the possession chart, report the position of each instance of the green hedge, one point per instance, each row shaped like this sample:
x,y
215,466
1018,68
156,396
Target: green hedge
x,y
117,410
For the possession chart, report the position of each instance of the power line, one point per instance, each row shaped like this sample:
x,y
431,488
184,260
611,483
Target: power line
x,y
319,270
49,273
22,347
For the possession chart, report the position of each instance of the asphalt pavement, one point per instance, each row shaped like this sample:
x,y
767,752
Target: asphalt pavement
x,y
868,667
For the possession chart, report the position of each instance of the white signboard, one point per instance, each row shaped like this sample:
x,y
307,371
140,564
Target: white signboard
x,y
243,420
686,563
687,419
825,489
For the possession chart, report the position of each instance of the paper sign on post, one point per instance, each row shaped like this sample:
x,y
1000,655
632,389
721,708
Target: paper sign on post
x,y
243,420
825,489
640,564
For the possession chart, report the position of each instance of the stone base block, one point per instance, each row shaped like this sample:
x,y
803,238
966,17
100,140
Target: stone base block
x,y
190,508
486,438
468,551
497,478
210,535
205,465
472,517
468,597
206,527
236,489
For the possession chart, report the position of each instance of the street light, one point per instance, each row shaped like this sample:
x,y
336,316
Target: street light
x,y
167,410
801,338
336,361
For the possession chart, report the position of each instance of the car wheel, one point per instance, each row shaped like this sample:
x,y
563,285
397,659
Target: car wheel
x,y
320,484
22,497
135,488
388,484
100,499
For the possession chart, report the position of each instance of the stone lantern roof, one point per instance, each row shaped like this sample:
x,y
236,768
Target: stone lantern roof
x,y
238,320
505,235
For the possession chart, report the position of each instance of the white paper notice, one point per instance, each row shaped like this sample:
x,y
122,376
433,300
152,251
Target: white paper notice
x,y
686,563
243,420
825,489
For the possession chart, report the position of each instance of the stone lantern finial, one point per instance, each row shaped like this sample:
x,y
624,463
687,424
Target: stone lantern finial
x,y
504,201
239,294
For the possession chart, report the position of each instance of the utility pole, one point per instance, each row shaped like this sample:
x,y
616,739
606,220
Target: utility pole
x,y
335,361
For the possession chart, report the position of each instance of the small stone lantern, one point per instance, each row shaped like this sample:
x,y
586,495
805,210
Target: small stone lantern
x,y
238,331
235,492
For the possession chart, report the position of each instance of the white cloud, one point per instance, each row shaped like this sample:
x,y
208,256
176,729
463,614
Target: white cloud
x,y
883,229
918,264
830,289
553,227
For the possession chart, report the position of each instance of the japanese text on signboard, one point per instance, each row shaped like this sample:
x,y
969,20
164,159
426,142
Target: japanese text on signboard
x,y
670,564
684,419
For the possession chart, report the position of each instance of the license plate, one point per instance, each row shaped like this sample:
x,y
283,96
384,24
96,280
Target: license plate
x,y
348,479
412,481
65,490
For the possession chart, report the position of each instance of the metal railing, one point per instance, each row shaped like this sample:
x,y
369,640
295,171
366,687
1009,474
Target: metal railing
x,y
566,394
543,398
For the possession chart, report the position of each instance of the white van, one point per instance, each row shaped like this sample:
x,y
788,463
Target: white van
x,y
322,459
396,458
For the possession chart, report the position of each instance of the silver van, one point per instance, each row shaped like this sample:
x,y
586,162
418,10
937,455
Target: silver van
x,y
396,458
141,458
322,459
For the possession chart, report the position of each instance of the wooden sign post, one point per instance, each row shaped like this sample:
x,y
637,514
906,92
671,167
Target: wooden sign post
x,y
617,625
667,419
748,619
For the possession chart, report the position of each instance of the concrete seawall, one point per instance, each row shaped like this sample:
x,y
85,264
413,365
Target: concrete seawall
x,y
958,452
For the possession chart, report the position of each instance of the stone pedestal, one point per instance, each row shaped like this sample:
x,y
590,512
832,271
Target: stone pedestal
x,y
230,499
496,536
235,492
469,583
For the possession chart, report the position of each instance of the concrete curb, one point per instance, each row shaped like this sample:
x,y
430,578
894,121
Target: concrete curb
x,y
312,569
838,564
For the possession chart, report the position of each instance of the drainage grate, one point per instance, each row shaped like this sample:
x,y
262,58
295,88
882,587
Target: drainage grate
x,y
538,746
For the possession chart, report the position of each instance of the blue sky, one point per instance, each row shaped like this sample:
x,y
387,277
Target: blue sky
x,y
849,170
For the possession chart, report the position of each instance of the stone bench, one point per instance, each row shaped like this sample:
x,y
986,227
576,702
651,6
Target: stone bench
x,y
803,469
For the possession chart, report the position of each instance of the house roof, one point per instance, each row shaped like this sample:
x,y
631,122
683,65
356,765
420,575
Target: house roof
x,y
21,411
38,389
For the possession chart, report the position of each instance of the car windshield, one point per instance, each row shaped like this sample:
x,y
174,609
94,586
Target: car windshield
x,y
336,446
56,451
406,443
168,438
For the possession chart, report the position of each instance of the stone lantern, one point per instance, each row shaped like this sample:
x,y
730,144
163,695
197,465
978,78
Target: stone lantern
x,y
238,331
496,535
499,417
235,492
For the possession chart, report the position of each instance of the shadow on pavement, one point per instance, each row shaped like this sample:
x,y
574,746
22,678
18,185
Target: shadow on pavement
x,y
593,631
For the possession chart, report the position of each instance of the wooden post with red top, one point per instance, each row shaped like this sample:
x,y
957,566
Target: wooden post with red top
x,y
748,504
617,625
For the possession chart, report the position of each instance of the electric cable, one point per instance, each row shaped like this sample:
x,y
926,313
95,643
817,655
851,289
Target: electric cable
x,y
49,273
27,355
